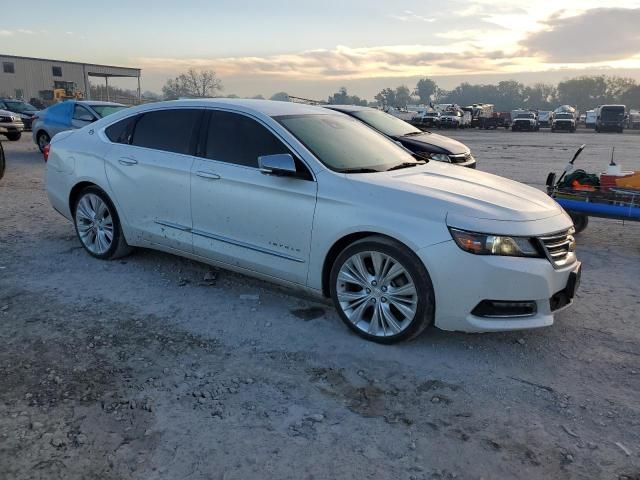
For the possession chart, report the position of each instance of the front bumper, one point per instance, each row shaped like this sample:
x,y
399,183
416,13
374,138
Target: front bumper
x,y
563,126
523,126
12,127
462,280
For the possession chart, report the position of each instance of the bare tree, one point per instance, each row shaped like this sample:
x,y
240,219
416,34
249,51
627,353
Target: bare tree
x,y
192,84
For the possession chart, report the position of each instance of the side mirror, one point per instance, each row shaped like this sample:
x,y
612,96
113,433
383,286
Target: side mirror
x,y
281,164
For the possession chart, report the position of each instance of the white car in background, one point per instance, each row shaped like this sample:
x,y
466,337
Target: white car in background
x,y
314,199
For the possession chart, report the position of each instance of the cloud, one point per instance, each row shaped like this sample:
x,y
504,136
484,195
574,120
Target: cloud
x,y
597,35
410,16
343,62
5,33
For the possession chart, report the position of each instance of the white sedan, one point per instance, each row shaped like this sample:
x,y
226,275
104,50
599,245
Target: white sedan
x,y
313,199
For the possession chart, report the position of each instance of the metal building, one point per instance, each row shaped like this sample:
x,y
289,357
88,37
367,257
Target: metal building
x,y
43,79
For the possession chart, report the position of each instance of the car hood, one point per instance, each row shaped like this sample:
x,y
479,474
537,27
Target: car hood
x,y
463,192
434,143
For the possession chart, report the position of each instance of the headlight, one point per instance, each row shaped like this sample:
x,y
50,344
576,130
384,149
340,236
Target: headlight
x,y
439,157
485,244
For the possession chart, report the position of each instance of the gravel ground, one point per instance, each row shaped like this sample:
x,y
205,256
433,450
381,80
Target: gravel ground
x,y
155,367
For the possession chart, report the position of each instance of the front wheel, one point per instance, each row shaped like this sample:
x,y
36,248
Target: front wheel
x,y
14,136
580,221
382,291
43,140
98,226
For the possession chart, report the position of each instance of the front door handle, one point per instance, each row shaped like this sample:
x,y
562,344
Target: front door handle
x,y
127,161
208,175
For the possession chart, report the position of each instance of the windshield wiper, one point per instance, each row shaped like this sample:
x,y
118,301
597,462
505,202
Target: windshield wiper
x,y
359,170
411,134
405,165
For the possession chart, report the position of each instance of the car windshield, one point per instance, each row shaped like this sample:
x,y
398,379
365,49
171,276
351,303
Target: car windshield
x,y
564,115
344,144
20,106
105,110
385,123
525,115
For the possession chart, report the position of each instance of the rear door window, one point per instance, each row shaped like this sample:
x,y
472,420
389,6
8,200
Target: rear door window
x,y
173,130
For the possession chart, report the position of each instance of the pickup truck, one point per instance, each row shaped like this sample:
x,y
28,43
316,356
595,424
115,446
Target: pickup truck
x,y
525,121
563,121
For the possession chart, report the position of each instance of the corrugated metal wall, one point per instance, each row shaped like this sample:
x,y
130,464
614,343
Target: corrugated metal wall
x,y
33,75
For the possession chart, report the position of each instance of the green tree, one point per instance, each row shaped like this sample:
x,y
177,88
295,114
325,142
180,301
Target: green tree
x,y
617,87
542,96
280,96
192,84
386,97
631,98
426,89
583,92
402,96
342,97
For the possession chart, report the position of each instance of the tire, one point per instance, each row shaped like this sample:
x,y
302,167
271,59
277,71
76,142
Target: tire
x,y
90,202
43,139
580,221
14,136
2,161
360,300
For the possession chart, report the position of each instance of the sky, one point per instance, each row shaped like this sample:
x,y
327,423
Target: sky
x,y
311,48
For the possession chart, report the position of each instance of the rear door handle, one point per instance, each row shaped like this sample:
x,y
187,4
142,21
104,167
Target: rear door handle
x,y
127,161
208,175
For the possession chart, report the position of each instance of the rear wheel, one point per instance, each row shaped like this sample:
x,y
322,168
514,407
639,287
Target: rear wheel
x,y
14,136
98,226
382,291
43,140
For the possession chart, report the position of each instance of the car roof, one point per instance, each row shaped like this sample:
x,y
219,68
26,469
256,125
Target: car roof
x,y
98,102
348,108
270,108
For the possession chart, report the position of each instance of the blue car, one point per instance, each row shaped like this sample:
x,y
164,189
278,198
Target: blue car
x,y
69,115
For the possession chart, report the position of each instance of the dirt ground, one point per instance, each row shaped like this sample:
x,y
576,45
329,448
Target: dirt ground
x,y
155,367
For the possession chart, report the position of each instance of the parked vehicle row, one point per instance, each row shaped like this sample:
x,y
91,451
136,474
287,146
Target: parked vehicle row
x,y
315,199
23,110
70,114
429,146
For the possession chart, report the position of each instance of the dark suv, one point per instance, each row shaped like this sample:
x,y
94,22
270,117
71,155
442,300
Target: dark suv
x,y
425,144
24,110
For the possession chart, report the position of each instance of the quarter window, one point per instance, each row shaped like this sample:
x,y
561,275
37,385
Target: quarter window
x,y
56,71
237,139
122,131
8,67
168,130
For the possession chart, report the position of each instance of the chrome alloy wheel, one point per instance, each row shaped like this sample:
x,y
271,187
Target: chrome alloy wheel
x,y
94,223
377,293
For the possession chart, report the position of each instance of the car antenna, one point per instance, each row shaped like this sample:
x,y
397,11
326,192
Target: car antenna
x,y
613,151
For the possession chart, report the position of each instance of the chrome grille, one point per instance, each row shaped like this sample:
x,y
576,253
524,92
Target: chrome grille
x,y
560,248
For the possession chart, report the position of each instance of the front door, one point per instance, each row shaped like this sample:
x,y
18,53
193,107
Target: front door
x,y
149,169
243,217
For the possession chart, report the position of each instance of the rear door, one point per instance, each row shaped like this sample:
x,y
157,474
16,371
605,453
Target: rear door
x,y
246,218
149,170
